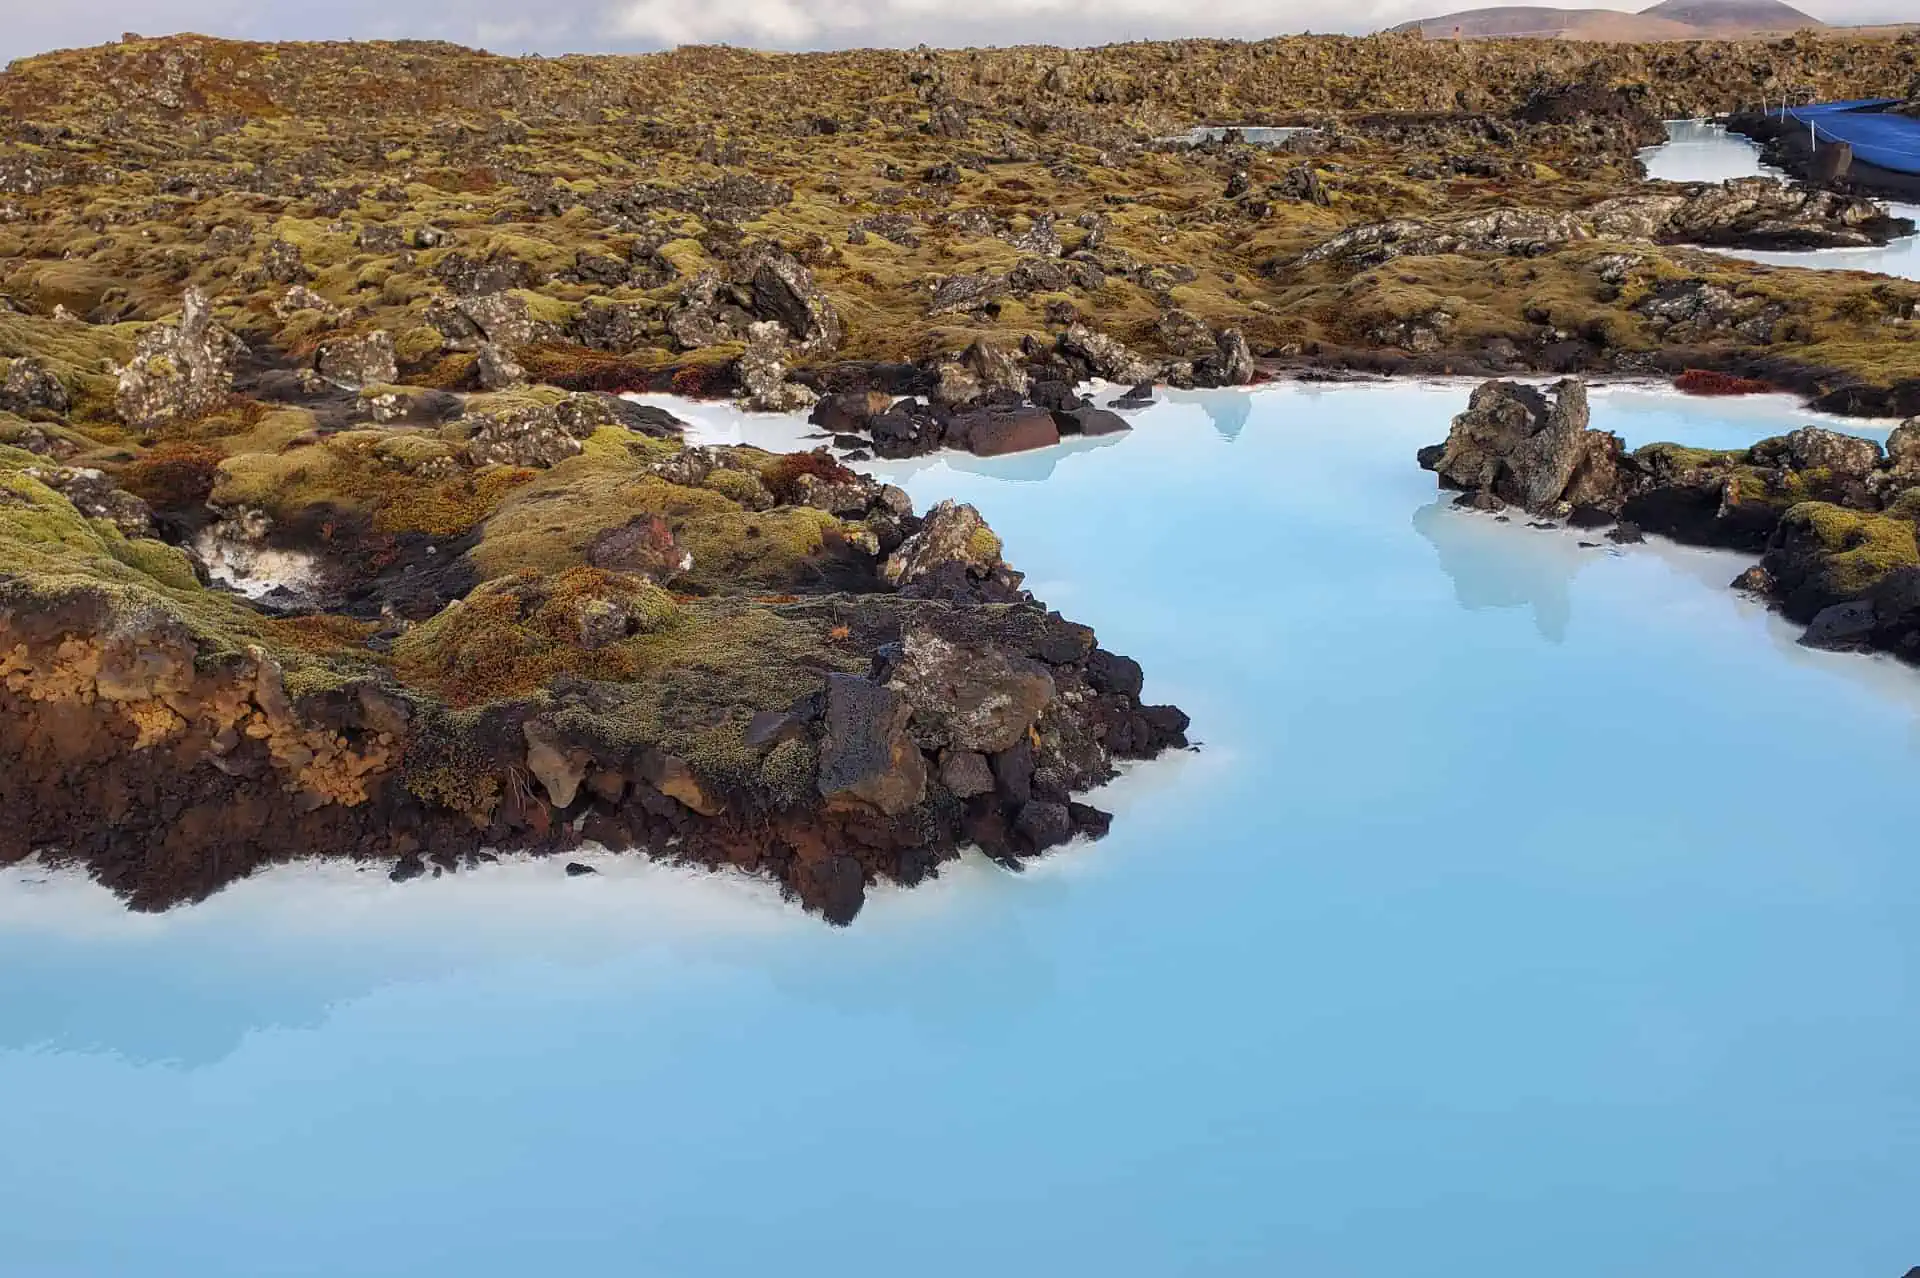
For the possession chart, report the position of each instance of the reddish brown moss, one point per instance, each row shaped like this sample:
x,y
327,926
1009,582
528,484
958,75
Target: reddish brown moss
x,y
580,368
173,476
1705,381
782,474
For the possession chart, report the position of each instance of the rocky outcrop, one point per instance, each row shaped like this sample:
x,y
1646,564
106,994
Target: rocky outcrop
x,y
354,362
1753,213
762,372
767,285
1105,356
1517,444
954,552
911,700
31,388
1832,515
179,370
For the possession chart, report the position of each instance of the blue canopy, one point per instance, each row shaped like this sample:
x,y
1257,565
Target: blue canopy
x,y
1889,141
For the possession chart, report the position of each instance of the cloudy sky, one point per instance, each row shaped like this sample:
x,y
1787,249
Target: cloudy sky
x,y
559,26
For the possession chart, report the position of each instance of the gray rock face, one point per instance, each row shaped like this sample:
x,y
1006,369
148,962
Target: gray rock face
x,y
952,534
958,293
1518,444
1903,446
95,496
766,286
179,370
1845,456
762,369
969,698
354,362
1107,356
866,755
31,387
966,774
537,435
494,369
1230,364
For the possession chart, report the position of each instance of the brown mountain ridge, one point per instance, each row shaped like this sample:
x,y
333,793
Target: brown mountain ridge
x,y
1669,20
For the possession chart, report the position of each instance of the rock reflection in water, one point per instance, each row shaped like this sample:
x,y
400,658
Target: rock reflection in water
x,y
1496,565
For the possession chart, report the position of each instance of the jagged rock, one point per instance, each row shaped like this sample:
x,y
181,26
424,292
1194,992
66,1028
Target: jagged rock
x,y
952,535
867,754
1516,443
783,290
179,370
967,697
1039,239
1756,213
1184,334
1695,310
559,770
956,293
283,263
494,369
966,774
1814,448
1302,182
1043,824
1903,447
1230,363
1420,334
31,387
619,327
353,362
95,496
995,369
1106,357
767,286
301,298
524,435
762,370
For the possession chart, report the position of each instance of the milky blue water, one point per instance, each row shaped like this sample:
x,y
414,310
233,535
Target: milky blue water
x,y
1701,151
1531,908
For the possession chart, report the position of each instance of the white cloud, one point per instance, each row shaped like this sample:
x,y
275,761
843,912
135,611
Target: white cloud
x,y
558,26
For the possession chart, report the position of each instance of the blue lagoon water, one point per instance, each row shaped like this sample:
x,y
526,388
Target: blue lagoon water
x,y
1529,908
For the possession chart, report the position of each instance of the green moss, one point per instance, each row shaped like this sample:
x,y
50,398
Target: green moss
x,y
546,527
511,637
739,486
418,344
1846,551
1676,458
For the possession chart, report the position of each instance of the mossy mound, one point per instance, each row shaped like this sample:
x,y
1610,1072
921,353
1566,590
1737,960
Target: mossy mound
x,y
1823,555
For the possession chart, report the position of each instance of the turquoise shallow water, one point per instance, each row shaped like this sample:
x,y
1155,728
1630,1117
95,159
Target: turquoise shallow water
x,y
1530,908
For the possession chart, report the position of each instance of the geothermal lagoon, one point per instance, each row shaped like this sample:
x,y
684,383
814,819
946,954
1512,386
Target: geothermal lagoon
x,y
1527,904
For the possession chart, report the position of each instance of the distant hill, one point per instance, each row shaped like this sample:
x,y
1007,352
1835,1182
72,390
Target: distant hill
x,y
1669,20
1733,15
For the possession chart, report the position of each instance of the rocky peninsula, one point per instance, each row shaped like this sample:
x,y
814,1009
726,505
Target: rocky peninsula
x,y
1833,515
324,529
